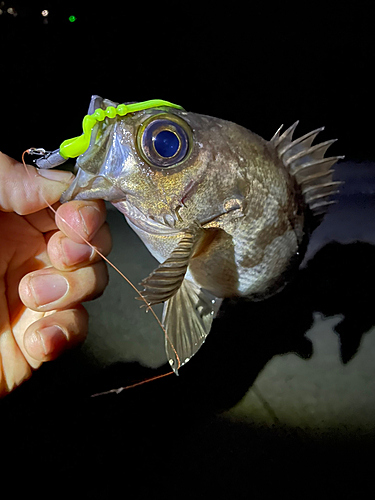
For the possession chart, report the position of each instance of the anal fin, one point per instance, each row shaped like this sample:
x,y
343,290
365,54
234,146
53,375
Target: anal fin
x,y
187,319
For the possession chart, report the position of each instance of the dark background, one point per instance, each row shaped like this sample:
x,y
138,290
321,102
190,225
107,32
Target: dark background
x,y
259,64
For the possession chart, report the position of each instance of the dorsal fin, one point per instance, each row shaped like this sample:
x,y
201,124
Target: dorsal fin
x,y
307,164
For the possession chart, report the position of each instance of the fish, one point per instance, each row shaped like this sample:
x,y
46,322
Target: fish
x,y
225,212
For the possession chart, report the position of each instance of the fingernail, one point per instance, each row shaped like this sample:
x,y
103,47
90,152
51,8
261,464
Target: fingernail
x,y
75,253
91,219
48,288
52,339
56,175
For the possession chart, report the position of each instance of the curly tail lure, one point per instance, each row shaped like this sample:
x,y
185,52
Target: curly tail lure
x,y
71,148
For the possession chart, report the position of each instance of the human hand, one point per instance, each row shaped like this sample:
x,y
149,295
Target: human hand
x,y
46,270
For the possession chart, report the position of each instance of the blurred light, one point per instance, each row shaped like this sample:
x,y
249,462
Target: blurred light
x,y
45,13
10,10
72,19
1,12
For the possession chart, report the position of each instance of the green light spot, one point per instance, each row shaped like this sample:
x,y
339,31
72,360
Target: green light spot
x,y
72,19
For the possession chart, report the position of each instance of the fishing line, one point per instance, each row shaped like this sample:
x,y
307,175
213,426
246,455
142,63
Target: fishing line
x,y
136,384
149,308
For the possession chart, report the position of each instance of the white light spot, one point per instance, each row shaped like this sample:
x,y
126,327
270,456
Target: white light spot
x,y
45,12
186,360
212,313
171,362
213,301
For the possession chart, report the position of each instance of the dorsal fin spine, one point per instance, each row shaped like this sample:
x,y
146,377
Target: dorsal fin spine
x,y
306,163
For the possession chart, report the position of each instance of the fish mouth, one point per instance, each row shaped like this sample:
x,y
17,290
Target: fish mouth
x,y
89,187
92,182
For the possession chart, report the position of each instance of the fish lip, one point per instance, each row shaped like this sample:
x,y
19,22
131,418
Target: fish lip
x,y
89,187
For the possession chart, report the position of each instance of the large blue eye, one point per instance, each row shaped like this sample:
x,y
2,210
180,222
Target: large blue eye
x,y
164,140
166,144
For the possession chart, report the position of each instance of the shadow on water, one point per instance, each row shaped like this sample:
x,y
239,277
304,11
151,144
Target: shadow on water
x,y
338,280
167,428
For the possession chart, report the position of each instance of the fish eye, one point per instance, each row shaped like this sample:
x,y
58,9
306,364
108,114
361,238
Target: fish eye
x,y
164,140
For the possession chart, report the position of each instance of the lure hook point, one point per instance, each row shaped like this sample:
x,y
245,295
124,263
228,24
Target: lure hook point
x,y
36,151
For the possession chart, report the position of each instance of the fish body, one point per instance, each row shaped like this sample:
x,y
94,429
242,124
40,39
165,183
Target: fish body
x,y
224,211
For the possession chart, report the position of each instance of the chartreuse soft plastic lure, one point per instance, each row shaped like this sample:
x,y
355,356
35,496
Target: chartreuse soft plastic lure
x,y
71,148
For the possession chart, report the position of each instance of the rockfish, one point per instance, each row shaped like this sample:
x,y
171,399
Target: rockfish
x,y
225,212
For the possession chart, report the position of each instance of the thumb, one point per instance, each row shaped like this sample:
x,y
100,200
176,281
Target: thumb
x,y
26,192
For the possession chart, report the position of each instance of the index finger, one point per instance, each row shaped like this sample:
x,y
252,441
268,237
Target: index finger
x,y
28,190
80,220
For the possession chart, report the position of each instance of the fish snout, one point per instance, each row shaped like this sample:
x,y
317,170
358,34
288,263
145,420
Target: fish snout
x,y
90,187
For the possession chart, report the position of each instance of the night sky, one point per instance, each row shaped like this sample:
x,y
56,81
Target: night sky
x,y
259,67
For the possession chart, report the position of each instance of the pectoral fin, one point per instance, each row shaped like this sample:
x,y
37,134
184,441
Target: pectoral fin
x,y
187,318
166,280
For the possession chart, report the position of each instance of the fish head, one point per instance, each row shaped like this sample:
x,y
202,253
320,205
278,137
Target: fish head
x,y
164,165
